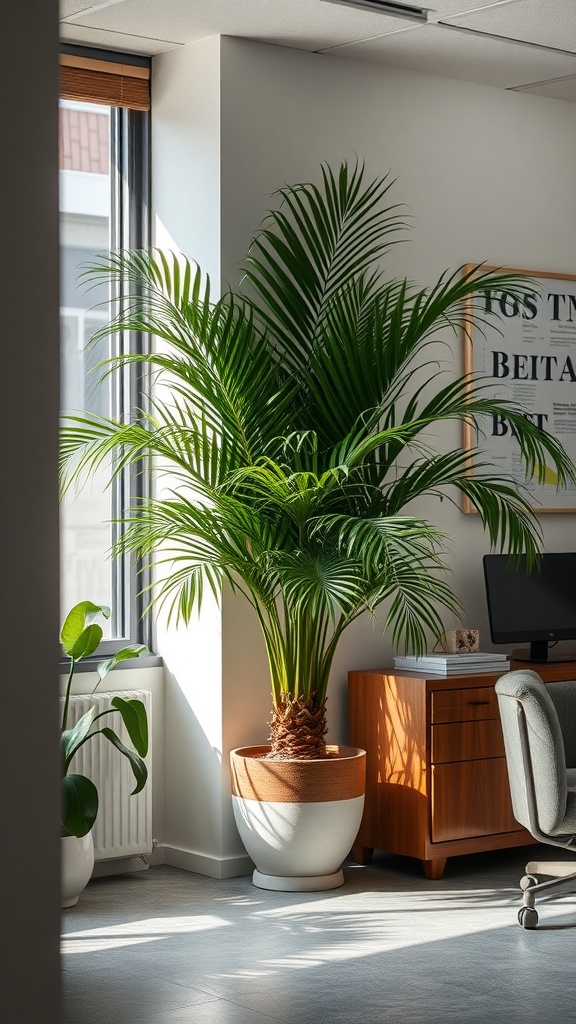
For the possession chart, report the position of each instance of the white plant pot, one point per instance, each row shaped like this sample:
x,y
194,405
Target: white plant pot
x,y
298,819
77,863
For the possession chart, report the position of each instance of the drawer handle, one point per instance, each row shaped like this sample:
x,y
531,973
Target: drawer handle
x,y
477,703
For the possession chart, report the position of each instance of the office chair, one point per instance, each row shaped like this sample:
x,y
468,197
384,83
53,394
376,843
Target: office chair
x,y
539,727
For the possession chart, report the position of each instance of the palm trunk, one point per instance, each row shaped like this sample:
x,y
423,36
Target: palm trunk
x,y
297,729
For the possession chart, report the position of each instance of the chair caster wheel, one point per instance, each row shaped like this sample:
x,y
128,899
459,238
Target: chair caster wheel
x,y
527,917
527,881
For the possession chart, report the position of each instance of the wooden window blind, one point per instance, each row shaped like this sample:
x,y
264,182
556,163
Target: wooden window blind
x,y
103,81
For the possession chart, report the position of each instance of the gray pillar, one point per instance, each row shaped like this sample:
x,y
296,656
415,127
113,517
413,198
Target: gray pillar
x,y
29,616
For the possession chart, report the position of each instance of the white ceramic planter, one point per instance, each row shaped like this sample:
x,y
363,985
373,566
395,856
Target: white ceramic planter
x,y
298,819
77,863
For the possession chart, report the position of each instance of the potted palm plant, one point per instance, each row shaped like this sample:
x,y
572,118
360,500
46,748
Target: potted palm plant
x,y
295,438
80,637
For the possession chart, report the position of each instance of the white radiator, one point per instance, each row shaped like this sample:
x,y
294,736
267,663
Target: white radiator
x,y
123,827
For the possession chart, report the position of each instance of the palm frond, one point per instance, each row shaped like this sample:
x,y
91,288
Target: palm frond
x,y
506,514
419,598
313,245
295,419
318,583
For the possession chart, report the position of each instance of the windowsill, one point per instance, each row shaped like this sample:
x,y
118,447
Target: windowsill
x,y
132,664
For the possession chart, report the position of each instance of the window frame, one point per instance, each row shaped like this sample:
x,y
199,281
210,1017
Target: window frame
x,y
130,227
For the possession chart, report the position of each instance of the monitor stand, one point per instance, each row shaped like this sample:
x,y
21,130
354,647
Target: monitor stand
x,y
539,653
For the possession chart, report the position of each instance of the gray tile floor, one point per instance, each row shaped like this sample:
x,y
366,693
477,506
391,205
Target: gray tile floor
x,y
167,947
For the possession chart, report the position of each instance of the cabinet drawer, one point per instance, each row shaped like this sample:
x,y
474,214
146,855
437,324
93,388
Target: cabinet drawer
x,y
464,705
471,798
463,741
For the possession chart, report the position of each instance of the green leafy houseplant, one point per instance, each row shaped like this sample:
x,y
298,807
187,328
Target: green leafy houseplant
x,y
80,637
295,435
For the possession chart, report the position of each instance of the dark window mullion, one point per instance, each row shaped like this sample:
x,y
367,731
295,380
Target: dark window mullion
x,y
117,206
135,234
138,127
130,228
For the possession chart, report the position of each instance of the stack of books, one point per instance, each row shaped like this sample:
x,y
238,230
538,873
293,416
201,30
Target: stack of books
x,y
453,664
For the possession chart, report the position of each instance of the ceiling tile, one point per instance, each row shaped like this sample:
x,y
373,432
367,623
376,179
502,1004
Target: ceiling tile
x,y
545,22
439,50
466,46
305,24
448,8
437,8
70,7
114,40
563,89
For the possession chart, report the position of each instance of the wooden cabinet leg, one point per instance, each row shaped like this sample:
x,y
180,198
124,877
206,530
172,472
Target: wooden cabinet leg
x,y
434,869
362,854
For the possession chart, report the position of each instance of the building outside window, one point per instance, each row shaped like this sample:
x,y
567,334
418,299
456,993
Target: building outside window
x,y
103,205
85,220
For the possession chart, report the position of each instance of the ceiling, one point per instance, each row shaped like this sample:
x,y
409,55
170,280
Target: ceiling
x,y
523,45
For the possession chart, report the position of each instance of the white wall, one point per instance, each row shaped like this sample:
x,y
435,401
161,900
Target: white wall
x,y
486,174
186,204
186,152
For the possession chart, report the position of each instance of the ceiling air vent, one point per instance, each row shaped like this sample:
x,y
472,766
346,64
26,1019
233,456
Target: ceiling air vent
x,y
398,10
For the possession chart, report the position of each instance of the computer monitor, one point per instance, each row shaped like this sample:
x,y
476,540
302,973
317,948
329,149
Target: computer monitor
x,y
537,607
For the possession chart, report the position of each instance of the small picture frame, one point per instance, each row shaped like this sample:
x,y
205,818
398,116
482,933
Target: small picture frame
x,y
460,641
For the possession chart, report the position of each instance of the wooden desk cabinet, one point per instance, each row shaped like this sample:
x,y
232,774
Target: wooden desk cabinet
x,y
436,778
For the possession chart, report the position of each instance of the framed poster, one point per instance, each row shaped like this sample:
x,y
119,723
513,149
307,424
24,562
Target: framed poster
x,y
528,356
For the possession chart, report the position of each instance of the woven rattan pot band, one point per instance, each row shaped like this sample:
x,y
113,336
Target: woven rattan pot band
x,y
339,777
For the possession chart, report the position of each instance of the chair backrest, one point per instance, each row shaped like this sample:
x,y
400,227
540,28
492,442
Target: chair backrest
x,y
563,694
525,705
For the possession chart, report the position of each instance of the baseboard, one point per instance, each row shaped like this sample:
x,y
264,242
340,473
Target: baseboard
x,y
120,866
157,856
202,864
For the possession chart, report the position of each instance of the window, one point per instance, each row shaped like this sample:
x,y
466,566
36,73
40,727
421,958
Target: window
x,y
103,204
